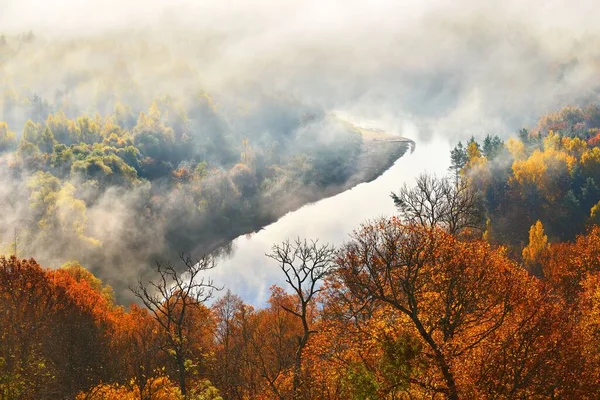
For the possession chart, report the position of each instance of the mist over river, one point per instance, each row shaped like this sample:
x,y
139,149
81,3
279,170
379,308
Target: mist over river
x,y
249,273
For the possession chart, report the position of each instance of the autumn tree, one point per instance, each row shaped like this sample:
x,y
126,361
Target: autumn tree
x,y
79,342
538,244
268,344
589,329
26,304
171,299
566,265
229,312
7,138
437,282
55,332
535,353
305,264
80,273
362,350
136,334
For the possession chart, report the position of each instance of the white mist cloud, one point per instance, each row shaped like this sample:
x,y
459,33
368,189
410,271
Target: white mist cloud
x,y
473,65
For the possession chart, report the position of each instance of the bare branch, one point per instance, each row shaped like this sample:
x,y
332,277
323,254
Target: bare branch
x,y
170,298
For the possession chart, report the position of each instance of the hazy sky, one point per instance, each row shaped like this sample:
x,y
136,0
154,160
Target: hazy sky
x,y
465,65
278,15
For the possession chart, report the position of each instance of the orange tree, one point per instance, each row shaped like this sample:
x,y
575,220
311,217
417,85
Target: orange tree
x,y
455,294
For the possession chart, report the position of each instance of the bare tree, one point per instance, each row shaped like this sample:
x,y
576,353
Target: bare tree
x,y
436,202
305,264
171,298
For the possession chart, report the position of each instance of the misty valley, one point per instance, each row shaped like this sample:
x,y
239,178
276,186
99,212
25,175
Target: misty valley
x,y
129,187
299,200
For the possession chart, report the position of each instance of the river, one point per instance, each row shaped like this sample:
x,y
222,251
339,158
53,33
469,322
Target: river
x,y
248,273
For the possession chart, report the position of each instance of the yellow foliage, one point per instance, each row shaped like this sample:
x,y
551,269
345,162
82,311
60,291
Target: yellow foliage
x,y
108,392
476,168
159,388
590,162
516,148
473,151
574,146
80,273
72,213
538,243
551,141
488,234
110,127
58,206
595,214
542,169
7,137
531,170
63,128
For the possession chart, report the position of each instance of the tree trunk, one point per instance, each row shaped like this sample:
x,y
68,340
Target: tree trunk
x,y
181,368
302,341
452,393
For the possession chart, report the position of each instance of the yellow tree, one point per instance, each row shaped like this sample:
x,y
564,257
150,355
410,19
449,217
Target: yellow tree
x,y
7,138
590,162
477,168
574,146
595,214
57,209
538,245
516,148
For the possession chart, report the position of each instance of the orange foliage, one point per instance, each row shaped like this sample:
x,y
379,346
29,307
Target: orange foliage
x,y
567,264
594,140
408,312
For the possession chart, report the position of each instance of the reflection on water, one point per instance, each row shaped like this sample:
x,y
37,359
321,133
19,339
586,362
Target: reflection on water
x,y
248,273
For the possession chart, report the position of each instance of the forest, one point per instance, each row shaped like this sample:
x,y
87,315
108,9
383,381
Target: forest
x,y
120,180
486,284
152,152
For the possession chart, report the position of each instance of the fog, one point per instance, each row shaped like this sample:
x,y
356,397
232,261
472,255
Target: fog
x,y
467,66
435,71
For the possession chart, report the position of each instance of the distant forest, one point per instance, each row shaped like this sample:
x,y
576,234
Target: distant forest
x,y
550,173
485,285
91,170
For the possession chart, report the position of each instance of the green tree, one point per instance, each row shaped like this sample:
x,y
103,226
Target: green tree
x,y
492,147
7,138
458,159
47,141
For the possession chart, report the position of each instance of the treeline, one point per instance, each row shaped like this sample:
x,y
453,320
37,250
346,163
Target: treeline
x,y
550,173
400,311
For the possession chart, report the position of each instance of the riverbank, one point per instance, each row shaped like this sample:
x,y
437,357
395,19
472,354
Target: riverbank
x,y
379,152
247,272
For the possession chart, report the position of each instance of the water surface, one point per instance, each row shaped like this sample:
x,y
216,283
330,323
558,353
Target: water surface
x,y
248,273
